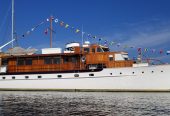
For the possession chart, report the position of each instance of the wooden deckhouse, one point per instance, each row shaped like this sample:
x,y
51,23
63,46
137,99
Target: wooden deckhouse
x,y
74,58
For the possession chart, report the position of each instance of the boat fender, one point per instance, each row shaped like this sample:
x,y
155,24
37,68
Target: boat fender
x,y
83,58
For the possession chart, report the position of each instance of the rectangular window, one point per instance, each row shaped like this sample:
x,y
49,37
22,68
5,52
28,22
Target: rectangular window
x,y
47,60
73,59
20,62
86,50
56,60
110,58
4,61
28,62
66,60
99,50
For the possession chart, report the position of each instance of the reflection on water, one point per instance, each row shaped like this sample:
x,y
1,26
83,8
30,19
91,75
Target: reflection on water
x,y
84,103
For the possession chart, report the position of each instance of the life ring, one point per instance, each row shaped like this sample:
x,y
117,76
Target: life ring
x,y
83,58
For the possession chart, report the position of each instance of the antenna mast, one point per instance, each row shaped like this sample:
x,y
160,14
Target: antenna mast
x,y
12,36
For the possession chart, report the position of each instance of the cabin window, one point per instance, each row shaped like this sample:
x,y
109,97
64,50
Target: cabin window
x,y
86,50
66,60
73,59
4,61
93,50
28,62
56,60
47,60
20,62
110,58
99,50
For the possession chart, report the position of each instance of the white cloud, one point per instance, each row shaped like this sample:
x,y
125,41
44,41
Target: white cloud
x,y
146,34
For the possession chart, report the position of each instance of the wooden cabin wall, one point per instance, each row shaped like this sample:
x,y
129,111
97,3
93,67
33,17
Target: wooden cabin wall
x,y
96,58
38,65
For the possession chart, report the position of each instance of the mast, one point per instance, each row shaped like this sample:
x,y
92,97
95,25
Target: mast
x,y
51,33
82,35
12,31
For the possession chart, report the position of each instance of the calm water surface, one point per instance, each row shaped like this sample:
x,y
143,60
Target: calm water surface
x,y
84,103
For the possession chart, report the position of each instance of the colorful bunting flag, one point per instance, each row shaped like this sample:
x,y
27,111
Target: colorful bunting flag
x,y
77,30
112,43
153,50
61,23
46,31
146,49
118,45
125,46
28,32
139,51
66,26
94,37
32,29
56,20
161,51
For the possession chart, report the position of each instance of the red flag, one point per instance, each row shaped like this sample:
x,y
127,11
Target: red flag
x,y
139,49
161,51
61,23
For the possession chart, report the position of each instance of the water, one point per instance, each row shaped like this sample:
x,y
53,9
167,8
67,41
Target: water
x,y
84,103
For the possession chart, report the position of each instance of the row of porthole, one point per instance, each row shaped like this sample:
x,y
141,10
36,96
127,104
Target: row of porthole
x,y
75,75
134,72
59,76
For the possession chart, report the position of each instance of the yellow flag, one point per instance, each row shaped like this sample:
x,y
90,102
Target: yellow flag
x,y
66,26
77,30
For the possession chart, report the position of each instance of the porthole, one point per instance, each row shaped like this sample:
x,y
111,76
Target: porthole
x,y
26,77
162,71
120,73
152,71
110,73
76,75
13,77
3,77
142,72
39,77
133,72
59,76
91,74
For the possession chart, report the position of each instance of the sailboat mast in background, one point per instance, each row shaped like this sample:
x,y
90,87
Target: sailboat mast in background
x,y
12,36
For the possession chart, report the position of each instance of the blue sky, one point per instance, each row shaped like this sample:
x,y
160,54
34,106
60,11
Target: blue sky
x,y
139,23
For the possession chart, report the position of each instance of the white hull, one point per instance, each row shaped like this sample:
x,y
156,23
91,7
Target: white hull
x,y
149,78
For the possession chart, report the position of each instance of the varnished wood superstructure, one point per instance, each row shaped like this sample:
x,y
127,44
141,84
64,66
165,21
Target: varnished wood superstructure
x,y
87,57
